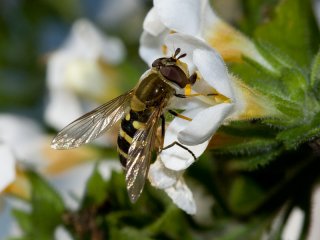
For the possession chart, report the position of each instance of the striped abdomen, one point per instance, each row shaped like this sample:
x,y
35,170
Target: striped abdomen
x,y
129,126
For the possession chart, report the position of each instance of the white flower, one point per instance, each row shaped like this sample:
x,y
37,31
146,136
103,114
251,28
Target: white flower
x,y
195,18
80,74
113,13
314,231
293,227
22,142
316,9
207,114
7,170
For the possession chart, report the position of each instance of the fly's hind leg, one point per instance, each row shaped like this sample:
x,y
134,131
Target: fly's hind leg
x,y
180,145
163,125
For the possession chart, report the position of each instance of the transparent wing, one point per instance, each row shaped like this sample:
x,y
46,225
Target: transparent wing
x,y
92,124
139,156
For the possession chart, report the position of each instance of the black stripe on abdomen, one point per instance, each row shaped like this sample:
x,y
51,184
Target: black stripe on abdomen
x,y
130,124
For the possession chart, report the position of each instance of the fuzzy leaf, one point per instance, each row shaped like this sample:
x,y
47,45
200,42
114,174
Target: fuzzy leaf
x,y
315,75
281,93
251,163
293,30
293,137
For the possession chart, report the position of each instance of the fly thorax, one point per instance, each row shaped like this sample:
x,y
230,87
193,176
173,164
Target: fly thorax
x,y
136,104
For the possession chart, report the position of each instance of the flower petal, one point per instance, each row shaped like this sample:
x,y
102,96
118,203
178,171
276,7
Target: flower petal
x,y
7,169
152,23
293,227
181,16
177,158
213,70
61,233
74,180
20,133
150,47
63,107
88,42
162,177
203,126
182,197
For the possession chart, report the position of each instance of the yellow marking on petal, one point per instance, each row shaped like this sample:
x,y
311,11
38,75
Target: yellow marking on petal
x,y
172,32
252,105
232,44
21,186
219,98
227,40
138,125
128,117
60,161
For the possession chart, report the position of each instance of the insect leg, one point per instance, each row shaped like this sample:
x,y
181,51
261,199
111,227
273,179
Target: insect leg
x,y
179,115
194,95
163,129
180,145
163,125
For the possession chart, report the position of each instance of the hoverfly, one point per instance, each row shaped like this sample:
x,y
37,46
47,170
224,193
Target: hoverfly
x,y
140,111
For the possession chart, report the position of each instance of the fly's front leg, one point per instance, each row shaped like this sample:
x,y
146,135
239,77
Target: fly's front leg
x,y
179,115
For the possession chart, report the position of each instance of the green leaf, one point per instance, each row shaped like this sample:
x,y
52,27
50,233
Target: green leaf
x,y
128,233
254,13
23,219
253,162
296,83
315,75
293,30
273,88
47,208
96,189
248,147
295,136
171,224
245,195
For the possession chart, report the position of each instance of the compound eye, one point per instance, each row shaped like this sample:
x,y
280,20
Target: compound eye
x,y
174,74
157,63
